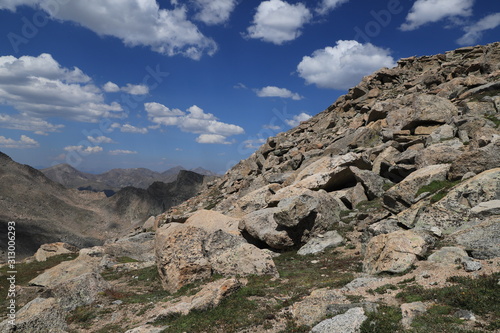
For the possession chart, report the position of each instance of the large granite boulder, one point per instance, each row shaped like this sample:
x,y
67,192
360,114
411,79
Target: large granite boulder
x,y
185,254
395,252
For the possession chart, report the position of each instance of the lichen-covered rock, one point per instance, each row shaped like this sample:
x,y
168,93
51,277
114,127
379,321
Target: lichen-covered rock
x,y
185,254
41,315
395,252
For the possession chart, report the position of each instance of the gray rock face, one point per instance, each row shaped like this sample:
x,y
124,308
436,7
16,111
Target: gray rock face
x,y
455,211
41,315
349,322
450,255
262,226
476,161
402,195
139,247
321,242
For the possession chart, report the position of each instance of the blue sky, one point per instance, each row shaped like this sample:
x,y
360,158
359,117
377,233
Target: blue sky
x,y
103,84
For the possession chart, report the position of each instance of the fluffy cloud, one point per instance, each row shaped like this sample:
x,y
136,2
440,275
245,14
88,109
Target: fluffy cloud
x,y
127,128
277,21
271,91
429,11
99,139
26,123
135,22
328,5
84,150
474,32
214,11
111,87
195,120
131,89
122,152
24,142
296,120
344,65
38,87
213,139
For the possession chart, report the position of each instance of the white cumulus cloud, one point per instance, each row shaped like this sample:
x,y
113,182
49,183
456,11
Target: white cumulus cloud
x,y
473,33
328,5
111,87
212,139
214,11
84,150
344,65
132,89
272,91
195,120
122,152
296,120
26,123
24,142
135,22
431,11
39,87
277,21
100,139
127,128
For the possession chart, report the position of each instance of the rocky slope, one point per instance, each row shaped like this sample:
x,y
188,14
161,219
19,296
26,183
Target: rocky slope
x,y
379,214
114,180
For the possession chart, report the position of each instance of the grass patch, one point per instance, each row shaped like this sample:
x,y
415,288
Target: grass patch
x,y
83,316
369,205
480,295
261,300
125,260
493,119
383,289
437,187
386,320
439,318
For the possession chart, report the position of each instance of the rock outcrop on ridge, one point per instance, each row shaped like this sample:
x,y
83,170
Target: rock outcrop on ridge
x,y
401,176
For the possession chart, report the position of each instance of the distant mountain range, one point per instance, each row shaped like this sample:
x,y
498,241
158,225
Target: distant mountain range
x,y
115,179
46,211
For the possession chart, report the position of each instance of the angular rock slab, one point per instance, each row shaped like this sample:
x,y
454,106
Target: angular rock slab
x,y
322,242
402,195
395,252
465,206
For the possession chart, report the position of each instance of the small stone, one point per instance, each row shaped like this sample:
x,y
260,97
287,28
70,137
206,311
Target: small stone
x,y
465,315
471,265
117,302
